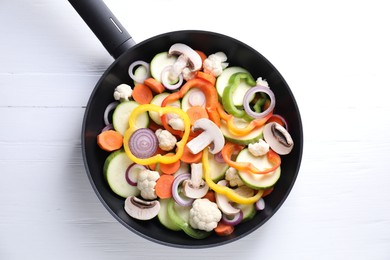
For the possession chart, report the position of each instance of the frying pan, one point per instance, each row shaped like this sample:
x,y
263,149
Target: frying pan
x,y
124,50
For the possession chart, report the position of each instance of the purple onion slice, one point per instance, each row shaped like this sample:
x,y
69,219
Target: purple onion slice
x,y
253,91
143,143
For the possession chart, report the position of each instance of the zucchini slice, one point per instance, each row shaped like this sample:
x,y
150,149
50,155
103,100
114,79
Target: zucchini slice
x,y
257,181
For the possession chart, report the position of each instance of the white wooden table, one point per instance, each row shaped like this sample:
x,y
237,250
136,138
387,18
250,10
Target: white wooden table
x,y
335,56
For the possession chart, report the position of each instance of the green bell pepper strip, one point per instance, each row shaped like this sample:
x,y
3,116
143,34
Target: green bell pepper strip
x,y
227,96
224,190
183,224
158,158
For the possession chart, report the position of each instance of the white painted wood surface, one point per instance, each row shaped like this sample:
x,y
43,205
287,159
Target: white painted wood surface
x,y
334,55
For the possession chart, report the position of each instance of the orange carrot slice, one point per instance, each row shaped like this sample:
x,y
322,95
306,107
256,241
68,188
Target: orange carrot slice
x,y
195,113
142,94
223,229
154,85
110,140
163,187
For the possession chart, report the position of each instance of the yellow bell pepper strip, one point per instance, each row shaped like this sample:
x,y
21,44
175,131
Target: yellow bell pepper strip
x,y
230,148
166,159
224,190
240,131
211,101
227,97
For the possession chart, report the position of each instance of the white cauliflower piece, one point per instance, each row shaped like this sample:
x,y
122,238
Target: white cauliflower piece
x,y
215,63
188,74
146,182
232,177
258,149
176,123
123,92
166,140
204,215
261,82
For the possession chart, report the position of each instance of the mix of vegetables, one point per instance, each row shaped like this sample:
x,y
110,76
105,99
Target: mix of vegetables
x,y
194,142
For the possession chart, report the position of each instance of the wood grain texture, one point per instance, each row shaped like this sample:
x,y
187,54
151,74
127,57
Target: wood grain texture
x,y
333,54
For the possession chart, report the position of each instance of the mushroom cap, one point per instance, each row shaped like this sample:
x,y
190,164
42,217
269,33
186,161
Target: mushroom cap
x,y
214,134
278,138
194,192
223,202
193,58
141,209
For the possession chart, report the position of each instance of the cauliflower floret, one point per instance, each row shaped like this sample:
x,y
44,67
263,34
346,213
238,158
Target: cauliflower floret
x,y
258,149
123,92
204,215
146,182
231,175
261,82
215,63
166,140
188,74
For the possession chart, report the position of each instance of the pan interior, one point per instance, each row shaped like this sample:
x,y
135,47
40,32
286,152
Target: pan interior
x,y
239,54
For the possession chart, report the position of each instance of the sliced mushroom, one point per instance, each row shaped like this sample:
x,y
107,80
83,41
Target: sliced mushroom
x,y
187,53
224,203
211,136
278,138
188,58
141,209
196,187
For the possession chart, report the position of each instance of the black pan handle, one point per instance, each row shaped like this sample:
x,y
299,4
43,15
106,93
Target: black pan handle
x,y
104,25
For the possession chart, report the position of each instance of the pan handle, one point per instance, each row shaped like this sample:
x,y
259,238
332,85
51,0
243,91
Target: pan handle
x,y
104,25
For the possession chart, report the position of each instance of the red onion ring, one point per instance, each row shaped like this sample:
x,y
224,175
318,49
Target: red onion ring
x,y
253,91
132,173
179,198
165,80
136,64
260,204
219,158
196,98
143,143
107,111
233,221
107,127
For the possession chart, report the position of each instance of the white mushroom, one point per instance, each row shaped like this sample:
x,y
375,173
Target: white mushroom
x,y
196,187
188,58
278,138
211,136
141,209
224,203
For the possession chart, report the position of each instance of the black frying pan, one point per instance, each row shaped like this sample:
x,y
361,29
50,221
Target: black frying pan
x,y
121,46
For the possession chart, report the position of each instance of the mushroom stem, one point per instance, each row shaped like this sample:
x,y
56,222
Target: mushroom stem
x,y
178,67
197,144
196,174
211,136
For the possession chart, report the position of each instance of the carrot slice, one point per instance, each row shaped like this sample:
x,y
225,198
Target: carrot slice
x,y
206,76
266,104
210,195
110,140
152,167
202,55
195,113
142,94
267,192
154,85
223,229
189,157
163,187
170,168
